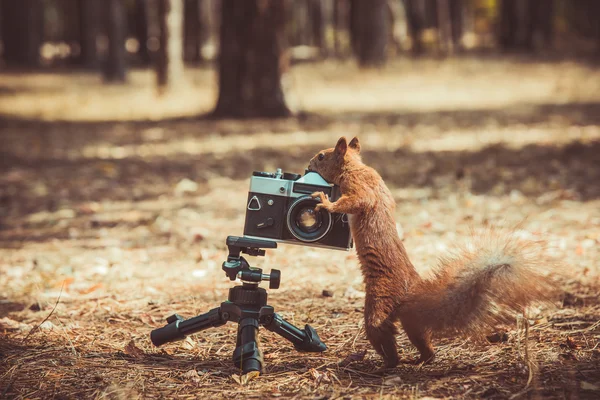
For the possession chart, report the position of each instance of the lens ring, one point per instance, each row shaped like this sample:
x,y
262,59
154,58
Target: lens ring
x,y
325,218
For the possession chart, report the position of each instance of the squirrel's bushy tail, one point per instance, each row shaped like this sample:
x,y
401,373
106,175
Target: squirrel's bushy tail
x,y
480,285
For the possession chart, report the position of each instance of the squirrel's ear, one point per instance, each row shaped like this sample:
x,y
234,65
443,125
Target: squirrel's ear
x,y
341,147
354,144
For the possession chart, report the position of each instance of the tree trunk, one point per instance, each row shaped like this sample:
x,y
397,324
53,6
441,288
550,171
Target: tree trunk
x,y
252,59
141,30
336,27
22,31
445,26
353,26
115,69
72,22
169,65
415,26
369,23
544,11
597,10
508,24
342,27
318,25
298,13
395,19
528,21
88,33
520,20
456,17
209,27
192,41
450,24
430,13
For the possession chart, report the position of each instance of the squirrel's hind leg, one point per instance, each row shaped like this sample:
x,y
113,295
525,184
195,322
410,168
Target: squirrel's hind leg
x,y
421,339
383,339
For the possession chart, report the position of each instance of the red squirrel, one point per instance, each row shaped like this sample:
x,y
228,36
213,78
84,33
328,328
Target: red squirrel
x,y
472,289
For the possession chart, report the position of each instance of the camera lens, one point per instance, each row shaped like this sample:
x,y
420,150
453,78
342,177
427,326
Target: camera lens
x,y
308,219
305,223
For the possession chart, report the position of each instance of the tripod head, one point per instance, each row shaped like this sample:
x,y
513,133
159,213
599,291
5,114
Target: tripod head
x,y
236,266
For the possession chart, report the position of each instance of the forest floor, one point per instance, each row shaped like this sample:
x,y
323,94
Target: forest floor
x,y
115,205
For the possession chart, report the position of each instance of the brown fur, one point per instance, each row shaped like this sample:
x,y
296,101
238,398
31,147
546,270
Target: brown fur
x,y
472,289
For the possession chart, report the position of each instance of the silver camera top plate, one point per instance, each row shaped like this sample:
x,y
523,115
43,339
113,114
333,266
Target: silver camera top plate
x,y
283,187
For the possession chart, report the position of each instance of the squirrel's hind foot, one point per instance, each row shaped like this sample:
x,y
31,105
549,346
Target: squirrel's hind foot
x,y
421,360
382,370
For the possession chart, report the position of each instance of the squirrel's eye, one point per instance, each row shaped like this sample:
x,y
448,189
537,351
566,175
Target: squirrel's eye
x,y
321,157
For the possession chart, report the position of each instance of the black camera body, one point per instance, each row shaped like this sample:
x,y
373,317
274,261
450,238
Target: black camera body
x,y
280,208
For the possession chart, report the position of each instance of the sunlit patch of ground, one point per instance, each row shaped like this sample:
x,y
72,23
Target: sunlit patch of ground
x,y
125,222
404,86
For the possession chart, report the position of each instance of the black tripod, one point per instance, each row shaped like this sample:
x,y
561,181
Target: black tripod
x,y
246,305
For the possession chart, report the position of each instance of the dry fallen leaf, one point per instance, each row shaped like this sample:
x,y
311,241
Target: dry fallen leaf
x,y
589,386
66,282
572,344
350,358
393,380
132,350
352,293
192,375
90,289
189,343
319,376
244,379
568,356
148,319
7,323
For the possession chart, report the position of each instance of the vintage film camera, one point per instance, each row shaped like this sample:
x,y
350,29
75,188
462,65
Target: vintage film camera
x,y
280,208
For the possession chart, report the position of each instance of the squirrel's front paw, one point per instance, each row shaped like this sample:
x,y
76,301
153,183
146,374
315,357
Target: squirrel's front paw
x,y
320,206
325,203
322,196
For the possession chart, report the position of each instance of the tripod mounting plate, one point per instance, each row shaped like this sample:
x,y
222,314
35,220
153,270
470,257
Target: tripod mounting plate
x,y
250,246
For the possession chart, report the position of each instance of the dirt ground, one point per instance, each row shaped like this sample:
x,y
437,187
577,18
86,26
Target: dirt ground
x,y
115,205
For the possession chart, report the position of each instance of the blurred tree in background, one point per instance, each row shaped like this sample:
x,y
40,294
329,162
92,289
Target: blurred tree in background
x,y
257,40
252,59
169,65
521,21
115,68
141,30
88,11
369,31
22,32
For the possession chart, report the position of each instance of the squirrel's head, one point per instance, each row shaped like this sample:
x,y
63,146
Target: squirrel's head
x,y
329,163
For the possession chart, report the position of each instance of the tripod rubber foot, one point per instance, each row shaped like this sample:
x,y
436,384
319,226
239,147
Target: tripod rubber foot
x,y
168,333
311,343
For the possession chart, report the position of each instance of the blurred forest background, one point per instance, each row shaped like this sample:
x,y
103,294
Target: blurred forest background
x,y
129,130
258,41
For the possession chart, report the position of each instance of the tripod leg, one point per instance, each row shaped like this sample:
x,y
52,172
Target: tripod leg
x,y
247,356
303,340
177,328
